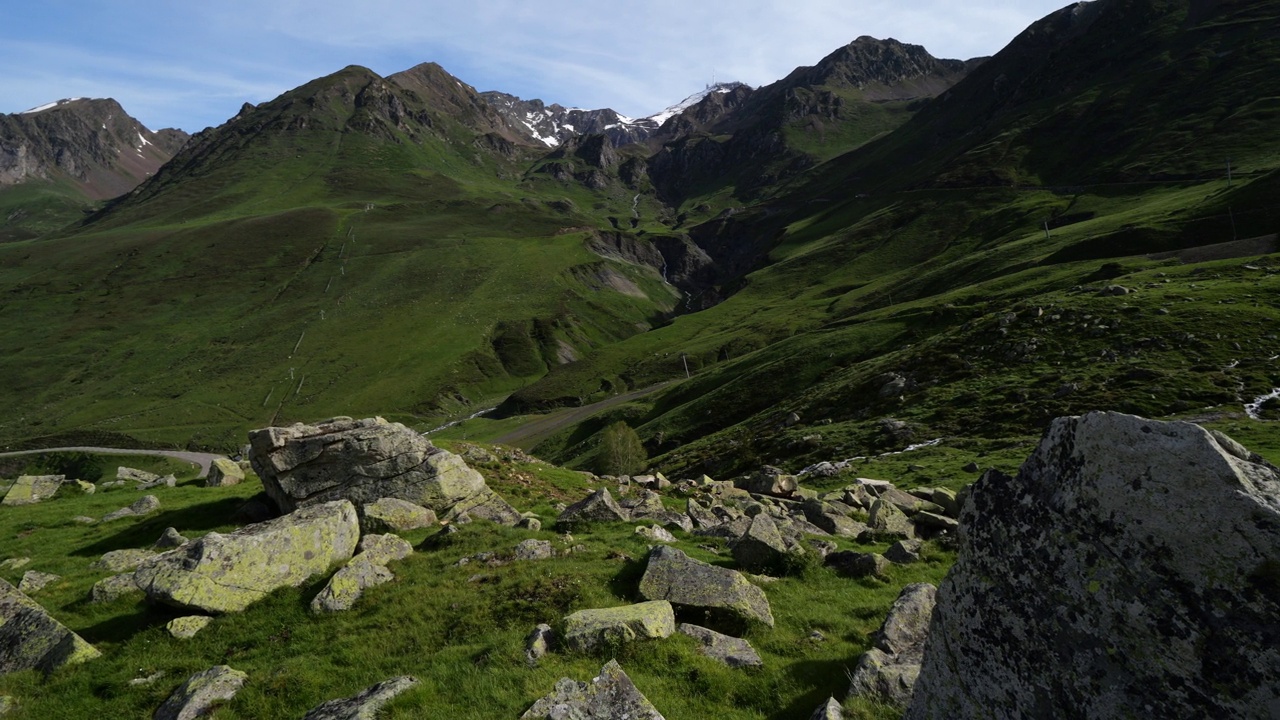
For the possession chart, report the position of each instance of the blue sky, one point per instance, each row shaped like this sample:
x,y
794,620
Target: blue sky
x,y
191,65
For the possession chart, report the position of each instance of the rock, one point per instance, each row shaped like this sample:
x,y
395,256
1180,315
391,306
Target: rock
x,y
129,474
349,583
532,524
830,520
84,520
84,488
227,573
671,575
768,483
534,550
1114,291
946,499
170,538
365,704
587,630
31,489
224,472
656,533
610,696
732,651
599,506
148,680
382,549
145,505
761,548
185,628
15,563
538,642
7,705
118,561
830,710
32,640
851,563
34,581
887,521
201,692
934,521
971,466
113,588
166,481
364,461
888,671
904,552
394,515
1130,569
701,517
906,502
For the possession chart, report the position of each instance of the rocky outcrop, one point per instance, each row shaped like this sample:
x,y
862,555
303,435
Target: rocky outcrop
x,y
1129,570
227,573
364,461
32,640
599,506
201,692
31,489
586,630
888,671
365,704
609,696
674,576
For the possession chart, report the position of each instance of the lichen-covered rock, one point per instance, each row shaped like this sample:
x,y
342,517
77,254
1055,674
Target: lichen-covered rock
x,y
170,538
766,482
144,505
348,585
382,549
365,704
16,563
32,640
732,651
113,588
533,550
537,643
761,548
888,521
586,630
394,515
656,533
166,481
830,710
609,696
854,564
946,499
34,581
185,628
227,573
135,475
825,516
224,472
1129,570
31,489
888,670
904,552
198,695
119,561
599,506
674,576
364,461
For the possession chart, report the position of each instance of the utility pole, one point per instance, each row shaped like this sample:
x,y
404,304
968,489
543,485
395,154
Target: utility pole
x,y
1228,172
1046,230
684,358
1231,214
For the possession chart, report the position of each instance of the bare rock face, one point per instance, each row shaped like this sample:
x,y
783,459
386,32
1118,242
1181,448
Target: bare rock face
x,y
1129,570
364,461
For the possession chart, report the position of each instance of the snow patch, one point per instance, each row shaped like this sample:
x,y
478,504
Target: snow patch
x,y
142,140
50,106
690,101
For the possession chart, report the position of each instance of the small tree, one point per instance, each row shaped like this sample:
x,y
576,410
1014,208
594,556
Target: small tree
x,y
620,452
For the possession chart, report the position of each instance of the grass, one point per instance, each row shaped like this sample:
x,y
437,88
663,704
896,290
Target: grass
x,y
459,629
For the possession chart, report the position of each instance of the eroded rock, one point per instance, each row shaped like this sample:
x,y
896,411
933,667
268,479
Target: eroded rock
x,y
888,670
30,639
201,692
609,696
674,576
31,489
365,704
586,630
732,651
224,472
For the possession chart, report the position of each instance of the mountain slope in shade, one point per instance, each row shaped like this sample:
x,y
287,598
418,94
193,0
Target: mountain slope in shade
x,y
93,143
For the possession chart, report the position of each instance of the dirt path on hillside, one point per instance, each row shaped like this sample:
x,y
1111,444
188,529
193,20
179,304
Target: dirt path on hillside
x,y
528,435
204,460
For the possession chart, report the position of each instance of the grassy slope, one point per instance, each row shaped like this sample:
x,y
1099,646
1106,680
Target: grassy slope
x,y
459,629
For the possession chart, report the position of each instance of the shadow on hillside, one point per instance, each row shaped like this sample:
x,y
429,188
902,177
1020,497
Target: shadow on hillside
x,y
143,532
119,628
828,679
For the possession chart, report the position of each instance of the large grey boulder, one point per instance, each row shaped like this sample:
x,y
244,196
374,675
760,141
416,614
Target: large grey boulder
x,y
31,489
394,515
135,475
364,461
586,630
1129,570
597,507
113,588
365,704
31,639
889,669
198,695
609,696
144,505
224,472
761,548
732,651
227,573
765,482
830,710
674,576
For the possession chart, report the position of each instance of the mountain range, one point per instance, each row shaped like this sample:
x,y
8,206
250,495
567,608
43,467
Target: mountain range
x,y
878,250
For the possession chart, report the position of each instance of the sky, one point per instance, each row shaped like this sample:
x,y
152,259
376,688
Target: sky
x,y
193,64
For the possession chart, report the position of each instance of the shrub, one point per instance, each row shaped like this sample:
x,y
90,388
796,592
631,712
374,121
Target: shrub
x,y
620,452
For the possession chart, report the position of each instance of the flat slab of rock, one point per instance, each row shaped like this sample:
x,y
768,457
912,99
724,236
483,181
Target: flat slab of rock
x,y
185,628
145,505
532,549
31,489
394,515
609,696
732,651
224,472
674,576
135,475
365,704
118,561
201,692
227,573
888,671
35,581
30,639
1129,570
585,630
364,461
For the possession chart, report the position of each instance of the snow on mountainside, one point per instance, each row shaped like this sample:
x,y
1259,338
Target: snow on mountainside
x,y
49,106
692,100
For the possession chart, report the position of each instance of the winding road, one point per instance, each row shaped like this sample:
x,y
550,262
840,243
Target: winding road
x,y
204,460
534,432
